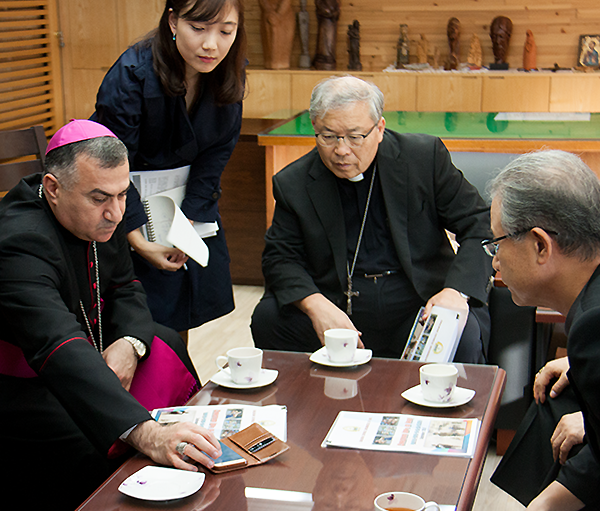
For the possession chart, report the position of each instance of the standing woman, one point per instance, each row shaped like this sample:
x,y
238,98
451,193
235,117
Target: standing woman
x,y
175,99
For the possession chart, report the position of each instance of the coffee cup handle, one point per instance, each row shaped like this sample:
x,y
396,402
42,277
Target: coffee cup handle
x,y
221,362
431,504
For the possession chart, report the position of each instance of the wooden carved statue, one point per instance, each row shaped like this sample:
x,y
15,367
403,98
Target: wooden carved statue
x,y
529,52
277,28
303,22
328,14
354,47
402,48
500,32
475,54
453,32
422,47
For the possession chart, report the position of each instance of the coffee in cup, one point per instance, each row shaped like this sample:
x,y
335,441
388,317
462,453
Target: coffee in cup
x,y
403,501
438,382
341,344
244,364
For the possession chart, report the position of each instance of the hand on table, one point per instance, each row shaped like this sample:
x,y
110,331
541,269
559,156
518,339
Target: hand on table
x,y
161,257
448,298
554,369
160,442
325,315
569,432
122,359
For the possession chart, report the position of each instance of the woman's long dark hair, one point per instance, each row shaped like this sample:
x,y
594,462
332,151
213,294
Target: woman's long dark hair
x,y
227,80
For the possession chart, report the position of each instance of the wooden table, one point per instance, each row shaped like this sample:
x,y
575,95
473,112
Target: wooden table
x,y
460,131
307,469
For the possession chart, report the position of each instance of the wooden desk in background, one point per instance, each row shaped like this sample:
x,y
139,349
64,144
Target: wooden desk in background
x,y
460,131
304,388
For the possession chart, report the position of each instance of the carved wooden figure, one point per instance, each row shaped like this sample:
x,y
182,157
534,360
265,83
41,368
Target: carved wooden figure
x,y
328,14
500,32
529,52
303,22
453,32
402,48
354,63
278,24
422,48
475,53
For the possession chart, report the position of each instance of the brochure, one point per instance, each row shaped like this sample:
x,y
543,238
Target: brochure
x,y
225,420
435,339
404,433
162,192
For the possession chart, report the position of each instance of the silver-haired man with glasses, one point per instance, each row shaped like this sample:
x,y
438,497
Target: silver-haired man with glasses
x,y
358,238
545,217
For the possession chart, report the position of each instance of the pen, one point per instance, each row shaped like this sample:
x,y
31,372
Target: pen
x,y
261,445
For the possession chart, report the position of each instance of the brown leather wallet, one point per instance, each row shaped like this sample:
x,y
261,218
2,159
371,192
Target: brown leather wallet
x,y
255,444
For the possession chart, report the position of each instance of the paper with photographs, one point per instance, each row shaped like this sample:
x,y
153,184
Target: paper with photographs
x,y
404,433
435,339
225,420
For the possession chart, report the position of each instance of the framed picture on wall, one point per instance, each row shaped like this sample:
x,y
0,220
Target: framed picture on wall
x,y
589,45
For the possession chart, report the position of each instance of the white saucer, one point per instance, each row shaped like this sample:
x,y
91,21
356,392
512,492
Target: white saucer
x,y
266,377
161,483
361,356
460,397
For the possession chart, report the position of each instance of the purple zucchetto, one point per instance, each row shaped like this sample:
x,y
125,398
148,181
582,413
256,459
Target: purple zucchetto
x,y
76,131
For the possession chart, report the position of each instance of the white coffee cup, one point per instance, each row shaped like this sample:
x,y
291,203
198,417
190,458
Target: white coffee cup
x,y
341,344
244,364
438,382
399,499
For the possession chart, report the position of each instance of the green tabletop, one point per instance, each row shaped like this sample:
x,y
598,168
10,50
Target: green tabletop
x,y
465,125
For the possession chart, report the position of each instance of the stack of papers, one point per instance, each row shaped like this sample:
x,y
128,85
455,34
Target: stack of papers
x,y
404,433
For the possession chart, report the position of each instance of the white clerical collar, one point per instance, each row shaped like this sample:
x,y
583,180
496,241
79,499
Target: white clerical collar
x,y
356,179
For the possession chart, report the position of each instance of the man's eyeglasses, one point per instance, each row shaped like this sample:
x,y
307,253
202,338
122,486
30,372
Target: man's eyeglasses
x,y
491,246
353,140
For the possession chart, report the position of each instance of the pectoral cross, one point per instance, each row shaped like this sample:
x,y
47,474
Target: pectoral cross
x,y
349,294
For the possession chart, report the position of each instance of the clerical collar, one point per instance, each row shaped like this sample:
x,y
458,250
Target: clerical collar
x,y
356,179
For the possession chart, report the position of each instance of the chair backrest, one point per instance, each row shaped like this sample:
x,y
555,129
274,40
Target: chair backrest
x,y
22,152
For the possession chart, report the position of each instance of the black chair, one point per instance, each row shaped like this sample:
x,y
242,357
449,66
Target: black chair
x,y
22,152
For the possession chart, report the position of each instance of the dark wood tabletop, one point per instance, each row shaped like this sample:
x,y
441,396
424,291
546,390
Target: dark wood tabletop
x,y
334,478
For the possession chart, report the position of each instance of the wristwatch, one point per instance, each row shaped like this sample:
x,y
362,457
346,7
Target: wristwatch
x,y
138,346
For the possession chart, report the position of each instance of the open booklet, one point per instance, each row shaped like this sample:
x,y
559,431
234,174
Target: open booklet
x,y
404,433
162,192
435,339
225,420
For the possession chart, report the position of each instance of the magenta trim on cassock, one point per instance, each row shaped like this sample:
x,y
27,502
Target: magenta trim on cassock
x,y
13,363
160,381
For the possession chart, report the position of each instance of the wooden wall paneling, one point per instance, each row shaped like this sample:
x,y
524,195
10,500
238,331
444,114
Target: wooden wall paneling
x,y
556,27
302,86
575,93
136,18
93,33
399,90
515,93
268,93
448,93
88,81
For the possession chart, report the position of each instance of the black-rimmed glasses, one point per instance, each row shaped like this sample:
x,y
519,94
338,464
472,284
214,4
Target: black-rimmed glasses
x,y
352,140
491,246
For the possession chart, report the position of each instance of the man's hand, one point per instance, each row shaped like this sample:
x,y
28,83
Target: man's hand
x,y
569,432
554,369
163,258
448,298
122,359
325,315
160,442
